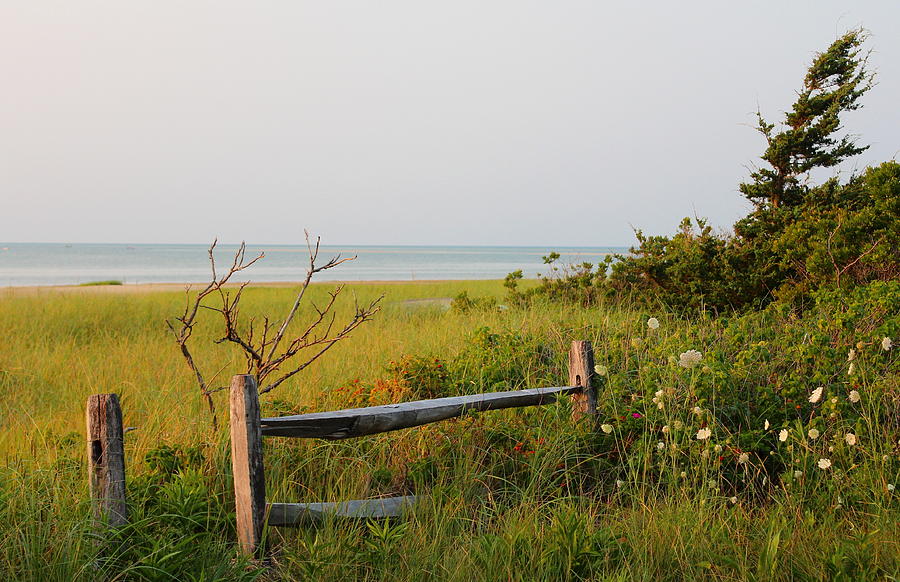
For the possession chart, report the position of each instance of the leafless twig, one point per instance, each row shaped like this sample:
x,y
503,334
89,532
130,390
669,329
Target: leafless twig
x,y
188,318
268,346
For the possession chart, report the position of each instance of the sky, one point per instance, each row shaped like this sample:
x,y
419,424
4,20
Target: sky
x,y
405,122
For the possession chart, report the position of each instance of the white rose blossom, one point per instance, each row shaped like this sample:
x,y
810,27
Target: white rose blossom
x,y
887,343
824,463
854,396
813,433
850,438
783,435
607,428
703,434
653,323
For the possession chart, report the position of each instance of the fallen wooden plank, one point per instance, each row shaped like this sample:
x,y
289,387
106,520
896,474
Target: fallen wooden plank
x,y
287,514
354,422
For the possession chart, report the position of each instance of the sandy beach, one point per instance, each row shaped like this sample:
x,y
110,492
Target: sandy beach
x,y
170,287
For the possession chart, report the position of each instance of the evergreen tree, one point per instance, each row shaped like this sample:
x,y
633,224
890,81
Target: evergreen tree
x,y
834,83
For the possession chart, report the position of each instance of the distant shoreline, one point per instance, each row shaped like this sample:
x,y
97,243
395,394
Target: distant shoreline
x,y
169,287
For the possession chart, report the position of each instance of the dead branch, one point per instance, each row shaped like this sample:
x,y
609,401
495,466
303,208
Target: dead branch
x,y
266,345
188,318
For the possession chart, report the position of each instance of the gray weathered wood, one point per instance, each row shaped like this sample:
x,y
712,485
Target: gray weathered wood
x,y
106,459
354,422
287,514
581,370
247,462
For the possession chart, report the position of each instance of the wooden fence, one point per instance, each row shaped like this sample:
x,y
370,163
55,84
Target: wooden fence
x,y
107,469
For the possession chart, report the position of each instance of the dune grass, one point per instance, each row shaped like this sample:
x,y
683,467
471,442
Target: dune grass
x,y
525,494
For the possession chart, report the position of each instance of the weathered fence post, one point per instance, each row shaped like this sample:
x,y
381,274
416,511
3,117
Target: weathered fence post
x,y
106,459
581,370
247,462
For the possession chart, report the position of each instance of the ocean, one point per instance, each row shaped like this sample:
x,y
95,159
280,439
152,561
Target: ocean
x,y
24,264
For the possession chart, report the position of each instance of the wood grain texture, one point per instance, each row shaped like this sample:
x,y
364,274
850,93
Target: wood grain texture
x,y
581,372
354,422
106,459
247,462
289,514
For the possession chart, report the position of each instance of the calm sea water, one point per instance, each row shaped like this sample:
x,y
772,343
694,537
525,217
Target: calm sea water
x,y
63,264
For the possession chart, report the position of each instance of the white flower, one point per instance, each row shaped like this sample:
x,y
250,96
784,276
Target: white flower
x,y
717,448
660,445
689,359
743,458
886,343
890,486
697,410
851,369
824,463
851,355
766,425
665,429
607,428
601,370
783,435
834,400
619,482
683,474
653,323
813,433
854,396
733,500
703,434
816,394
798,474
850,438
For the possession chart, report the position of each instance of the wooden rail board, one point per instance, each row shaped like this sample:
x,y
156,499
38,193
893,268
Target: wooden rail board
x,y
288,514
354,422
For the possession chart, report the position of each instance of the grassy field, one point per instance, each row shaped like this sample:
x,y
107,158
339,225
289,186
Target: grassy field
x,y
524,494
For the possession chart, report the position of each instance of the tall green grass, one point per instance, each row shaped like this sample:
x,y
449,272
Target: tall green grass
x,y
525,494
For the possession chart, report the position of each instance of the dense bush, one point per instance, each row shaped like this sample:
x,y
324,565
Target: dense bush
x,y
798,237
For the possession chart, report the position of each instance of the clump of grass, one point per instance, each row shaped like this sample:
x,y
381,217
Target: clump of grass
x,y
100,283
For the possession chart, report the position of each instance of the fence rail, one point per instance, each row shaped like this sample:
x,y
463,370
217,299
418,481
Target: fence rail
x,y
355,422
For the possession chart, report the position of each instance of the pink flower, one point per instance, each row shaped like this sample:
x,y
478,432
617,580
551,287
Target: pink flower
x,y
635,415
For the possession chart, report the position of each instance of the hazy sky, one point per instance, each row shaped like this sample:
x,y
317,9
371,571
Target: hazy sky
x,y
489,122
